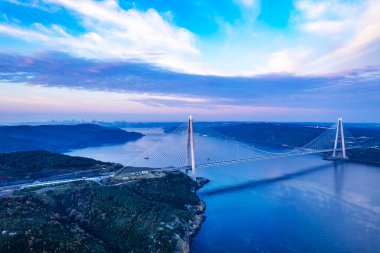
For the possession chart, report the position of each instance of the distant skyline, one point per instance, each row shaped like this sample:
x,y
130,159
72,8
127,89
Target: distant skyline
x,y
250,60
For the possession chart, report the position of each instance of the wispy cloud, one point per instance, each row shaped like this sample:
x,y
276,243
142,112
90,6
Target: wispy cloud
x,y
171,89
114,33
321,37
349,30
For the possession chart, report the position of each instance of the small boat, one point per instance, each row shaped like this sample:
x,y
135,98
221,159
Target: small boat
x,y
146,158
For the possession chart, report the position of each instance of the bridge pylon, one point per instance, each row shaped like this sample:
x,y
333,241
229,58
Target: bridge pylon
x,y
339,131
190,159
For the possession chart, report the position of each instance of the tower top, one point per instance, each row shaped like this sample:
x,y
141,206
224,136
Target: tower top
x,y
190,117
339,128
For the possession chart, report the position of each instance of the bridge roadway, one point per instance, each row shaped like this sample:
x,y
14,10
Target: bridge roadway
x,y
97,179
131,169
272,156
52,182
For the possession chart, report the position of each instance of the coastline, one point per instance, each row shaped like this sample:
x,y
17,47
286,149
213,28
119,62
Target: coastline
x,y
198,218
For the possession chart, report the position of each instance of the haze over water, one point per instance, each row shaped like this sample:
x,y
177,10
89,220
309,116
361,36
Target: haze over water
x,y
294,204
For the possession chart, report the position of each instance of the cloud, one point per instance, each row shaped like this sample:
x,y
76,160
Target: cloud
x,y
348,32
114,33
332,18
362,48
288,60
322,37
58,83
247,3
57,69
327,9
170,88
324,27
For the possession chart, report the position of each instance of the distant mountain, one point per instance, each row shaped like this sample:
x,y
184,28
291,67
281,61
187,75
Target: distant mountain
x,y
61,138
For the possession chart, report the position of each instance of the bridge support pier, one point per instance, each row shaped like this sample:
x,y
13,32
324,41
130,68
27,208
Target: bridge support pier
x,y
190,146
339,129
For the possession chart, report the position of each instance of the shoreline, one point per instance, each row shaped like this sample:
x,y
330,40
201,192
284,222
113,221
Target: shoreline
x,y
198,219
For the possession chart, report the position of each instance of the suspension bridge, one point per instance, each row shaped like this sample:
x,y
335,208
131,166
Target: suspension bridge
x,y
190,147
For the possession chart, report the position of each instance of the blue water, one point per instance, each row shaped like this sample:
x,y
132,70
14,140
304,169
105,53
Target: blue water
x,y
294,204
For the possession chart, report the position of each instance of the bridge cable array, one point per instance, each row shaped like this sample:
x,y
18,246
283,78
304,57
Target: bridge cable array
x,y
215,148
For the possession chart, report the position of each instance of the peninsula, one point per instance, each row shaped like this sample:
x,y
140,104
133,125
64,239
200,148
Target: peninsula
x,y
133,212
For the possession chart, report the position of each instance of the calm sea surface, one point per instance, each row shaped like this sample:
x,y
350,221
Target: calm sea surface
x,y
294,204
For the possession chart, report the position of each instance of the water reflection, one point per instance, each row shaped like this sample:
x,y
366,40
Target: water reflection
x,y
339,178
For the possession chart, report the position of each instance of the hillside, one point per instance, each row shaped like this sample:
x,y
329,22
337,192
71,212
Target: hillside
x,y
61,138
158,214
133,212
294,135
297,135
36,165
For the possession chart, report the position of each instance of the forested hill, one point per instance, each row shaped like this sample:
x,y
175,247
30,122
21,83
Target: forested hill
x,y
297,135
32,165
290,134
61,138
276,134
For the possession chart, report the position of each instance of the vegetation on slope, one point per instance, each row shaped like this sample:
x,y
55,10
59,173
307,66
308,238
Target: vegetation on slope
x,y
32,165
271,133
61,138
368,155
297,135
149,215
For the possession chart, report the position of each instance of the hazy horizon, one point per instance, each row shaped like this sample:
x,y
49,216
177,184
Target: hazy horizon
x,y
159,120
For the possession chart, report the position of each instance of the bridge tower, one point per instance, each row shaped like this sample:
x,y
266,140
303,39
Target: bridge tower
x,y
339,129
190,146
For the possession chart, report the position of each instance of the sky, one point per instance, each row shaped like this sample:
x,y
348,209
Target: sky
x,y
225,60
